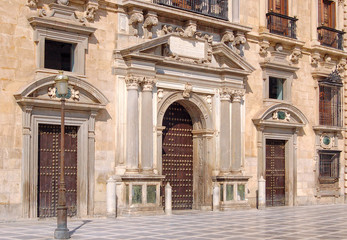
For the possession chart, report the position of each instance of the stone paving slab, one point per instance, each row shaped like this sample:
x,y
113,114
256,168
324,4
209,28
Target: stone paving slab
x,y
290,223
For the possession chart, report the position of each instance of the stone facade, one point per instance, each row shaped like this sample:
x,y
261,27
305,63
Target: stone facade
x,y
132,60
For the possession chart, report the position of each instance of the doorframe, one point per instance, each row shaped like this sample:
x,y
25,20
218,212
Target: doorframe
x,y
83,180
290,138
203,137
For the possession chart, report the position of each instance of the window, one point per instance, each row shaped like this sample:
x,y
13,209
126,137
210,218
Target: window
x,y
278,6
326,13
330,105
59,55
328,166
276,88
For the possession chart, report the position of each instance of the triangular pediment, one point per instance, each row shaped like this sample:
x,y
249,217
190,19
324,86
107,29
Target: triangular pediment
x,y
194,51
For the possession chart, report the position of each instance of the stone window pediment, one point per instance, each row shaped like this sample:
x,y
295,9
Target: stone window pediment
x,y
281,115
60,24
42,93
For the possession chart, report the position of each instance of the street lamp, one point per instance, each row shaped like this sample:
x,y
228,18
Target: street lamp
x,y
62,92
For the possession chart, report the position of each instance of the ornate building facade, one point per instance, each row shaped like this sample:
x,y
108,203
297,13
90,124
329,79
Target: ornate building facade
x,y
214,98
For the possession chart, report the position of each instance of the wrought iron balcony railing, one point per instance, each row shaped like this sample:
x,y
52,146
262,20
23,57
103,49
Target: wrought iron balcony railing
x,y
212,8
330,37
281,24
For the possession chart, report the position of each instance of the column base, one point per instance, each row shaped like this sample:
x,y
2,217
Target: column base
x,y
61,233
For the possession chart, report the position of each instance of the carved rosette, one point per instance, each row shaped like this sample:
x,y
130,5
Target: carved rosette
x,y
133,82
148,84
225,94
150,21
237,95
136,17
187,90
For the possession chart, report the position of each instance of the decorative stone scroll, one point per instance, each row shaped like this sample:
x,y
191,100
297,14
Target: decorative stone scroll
x,y
150,21
264,45
89,14
239,42
228,37
341,66
315,58
136,17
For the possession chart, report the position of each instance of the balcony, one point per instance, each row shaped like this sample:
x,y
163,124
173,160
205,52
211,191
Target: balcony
x,y
330,37
212,8
281,24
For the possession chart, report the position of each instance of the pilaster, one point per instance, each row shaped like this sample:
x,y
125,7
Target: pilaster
x,y
236,130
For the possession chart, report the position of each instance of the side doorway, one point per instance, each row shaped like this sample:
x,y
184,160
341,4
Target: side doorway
x,y
275,172
49,169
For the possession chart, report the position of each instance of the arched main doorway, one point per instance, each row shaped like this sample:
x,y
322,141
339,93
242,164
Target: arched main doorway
x,y
177,156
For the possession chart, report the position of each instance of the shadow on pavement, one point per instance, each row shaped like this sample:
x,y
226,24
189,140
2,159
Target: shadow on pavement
x,y
84,223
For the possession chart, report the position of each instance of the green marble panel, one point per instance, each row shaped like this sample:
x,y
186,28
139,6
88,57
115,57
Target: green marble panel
x,y
151,193
230,192
241,192
221,192
127,194
137,194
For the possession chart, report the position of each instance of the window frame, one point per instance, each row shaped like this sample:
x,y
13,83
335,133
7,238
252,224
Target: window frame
x,y
287,84
334,166
335,106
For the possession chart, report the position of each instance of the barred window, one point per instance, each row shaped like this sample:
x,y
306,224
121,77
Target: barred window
x,y
328,166
329,105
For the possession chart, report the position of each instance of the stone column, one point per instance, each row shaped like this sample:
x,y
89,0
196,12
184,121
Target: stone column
x,y
236,130
132,164
261,193
168,199
111,197
215,200
314,20
225,152
147,125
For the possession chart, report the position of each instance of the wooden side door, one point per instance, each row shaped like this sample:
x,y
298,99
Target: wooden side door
x,y
279,25
177,156
275,172
49,169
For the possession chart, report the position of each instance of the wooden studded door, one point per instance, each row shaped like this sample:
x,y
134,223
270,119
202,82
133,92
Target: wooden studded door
x,y
178,156
275,172
49,169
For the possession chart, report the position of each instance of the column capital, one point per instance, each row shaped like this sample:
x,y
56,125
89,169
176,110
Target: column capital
x,y
132,82
225,94
237,95
148,83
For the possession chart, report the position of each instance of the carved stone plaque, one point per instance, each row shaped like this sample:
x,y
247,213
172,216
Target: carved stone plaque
x,y
187,48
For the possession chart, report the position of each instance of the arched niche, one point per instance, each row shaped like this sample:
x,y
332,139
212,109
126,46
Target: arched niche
x,y
281,122
203,137
40,106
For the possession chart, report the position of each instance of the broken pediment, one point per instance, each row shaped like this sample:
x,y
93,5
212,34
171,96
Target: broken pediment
x,y
42,93
199,52
281,115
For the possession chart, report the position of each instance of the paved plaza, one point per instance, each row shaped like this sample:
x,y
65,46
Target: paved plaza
x,y
305,222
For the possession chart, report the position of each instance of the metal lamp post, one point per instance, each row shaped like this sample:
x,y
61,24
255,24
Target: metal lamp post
x,y
62,92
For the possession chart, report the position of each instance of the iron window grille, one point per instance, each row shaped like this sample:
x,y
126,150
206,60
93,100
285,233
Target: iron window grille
x,y
330,37
212,8
330,109
329,166
281,24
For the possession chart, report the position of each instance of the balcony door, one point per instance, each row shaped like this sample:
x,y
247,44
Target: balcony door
x,y
279,25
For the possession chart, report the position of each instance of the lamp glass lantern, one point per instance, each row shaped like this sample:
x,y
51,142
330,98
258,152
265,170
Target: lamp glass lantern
x,y
61,83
